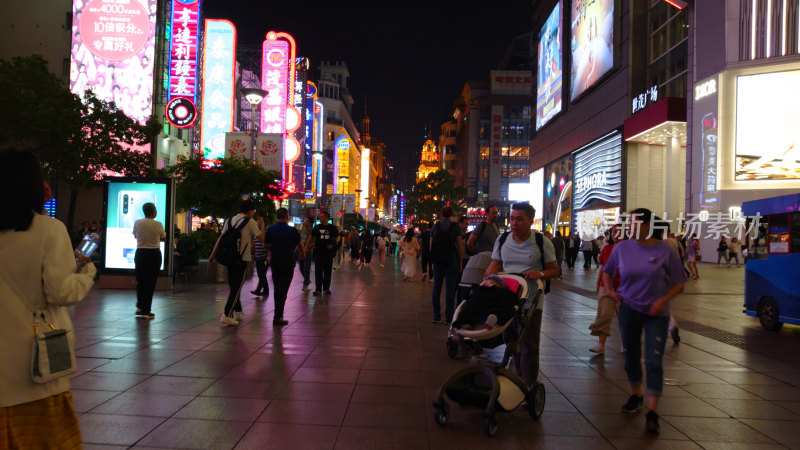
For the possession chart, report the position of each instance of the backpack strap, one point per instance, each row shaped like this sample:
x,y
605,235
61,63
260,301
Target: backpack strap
x,y
540,243
503,238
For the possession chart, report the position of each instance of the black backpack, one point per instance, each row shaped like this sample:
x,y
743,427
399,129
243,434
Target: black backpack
x,y
228,249
443,249
539,242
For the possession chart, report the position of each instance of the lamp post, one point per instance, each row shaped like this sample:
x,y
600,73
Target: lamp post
x,y
254,96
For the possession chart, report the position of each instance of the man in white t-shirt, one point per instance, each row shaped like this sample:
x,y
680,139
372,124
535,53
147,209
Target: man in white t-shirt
x,y
149,235
236,272
518,252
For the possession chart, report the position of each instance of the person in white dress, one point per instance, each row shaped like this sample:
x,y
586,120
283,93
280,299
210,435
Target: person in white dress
x,y
410,248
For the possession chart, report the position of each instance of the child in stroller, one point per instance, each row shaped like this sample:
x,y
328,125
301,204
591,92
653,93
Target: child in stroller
x,y
491,386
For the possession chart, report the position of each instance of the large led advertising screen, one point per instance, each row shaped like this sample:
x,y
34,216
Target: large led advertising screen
x,y
124,200
112,52
548,80
218,85
592,24
767,131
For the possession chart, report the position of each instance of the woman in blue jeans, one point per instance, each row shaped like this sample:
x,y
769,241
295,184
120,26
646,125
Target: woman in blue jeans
x,y
650,274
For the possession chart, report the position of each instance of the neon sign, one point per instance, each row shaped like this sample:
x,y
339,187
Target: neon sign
x,y
277,74
183,59
308,144
218,84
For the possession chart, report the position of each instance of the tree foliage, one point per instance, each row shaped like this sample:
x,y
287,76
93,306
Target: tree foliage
x,y
218,191
431,194
78,141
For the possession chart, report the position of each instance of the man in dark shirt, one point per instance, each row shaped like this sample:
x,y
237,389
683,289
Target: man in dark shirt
x,y
445,271
323,241
282,241
425,252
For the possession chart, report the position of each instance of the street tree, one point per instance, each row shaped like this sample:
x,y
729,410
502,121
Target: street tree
x,y
78,141
430,194
217,191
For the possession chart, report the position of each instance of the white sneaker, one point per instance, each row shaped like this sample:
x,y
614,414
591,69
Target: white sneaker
x,y
228,320
599,349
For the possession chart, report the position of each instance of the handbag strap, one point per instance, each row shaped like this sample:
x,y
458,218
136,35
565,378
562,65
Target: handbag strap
x,y
37,312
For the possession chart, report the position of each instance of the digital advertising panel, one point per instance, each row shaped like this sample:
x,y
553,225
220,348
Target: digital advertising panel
x,y
181,108
218,86
592,25
112,52
549,78
124,198
767,131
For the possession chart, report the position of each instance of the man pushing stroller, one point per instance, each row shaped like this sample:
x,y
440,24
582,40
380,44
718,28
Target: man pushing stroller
x,y
525,252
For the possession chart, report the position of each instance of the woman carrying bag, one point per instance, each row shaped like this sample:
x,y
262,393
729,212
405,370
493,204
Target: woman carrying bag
x,y
39,280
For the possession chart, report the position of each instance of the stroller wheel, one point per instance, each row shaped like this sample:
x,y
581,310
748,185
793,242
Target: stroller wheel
x,y
441,413
452,349
490,425
536,399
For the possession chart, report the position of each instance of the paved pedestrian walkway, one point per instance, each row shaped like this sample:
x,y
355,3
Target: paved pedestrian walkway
x,y
358,369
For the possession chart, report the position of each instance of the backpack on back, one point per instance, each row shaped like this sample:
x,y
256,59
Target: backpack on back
x,y
539,242
443,249
228,252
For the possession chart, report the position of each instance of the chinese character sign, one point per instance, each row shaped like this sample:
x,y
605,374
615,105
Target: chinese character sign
x,y
644,99
183,49
112,52
218,85
238,145
275,63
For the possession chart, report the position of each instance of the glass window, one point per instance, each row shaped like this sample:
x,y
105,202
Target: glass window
x,y
796,233
757,248
779,233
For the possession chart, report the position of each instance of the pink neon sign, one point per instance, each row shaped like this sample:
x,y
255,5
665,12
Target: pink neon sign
x,y
183,49
277,76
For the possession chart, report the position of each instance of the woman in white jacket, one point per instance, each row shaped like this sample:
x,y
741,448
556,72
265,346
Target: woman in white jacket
x,y
37,262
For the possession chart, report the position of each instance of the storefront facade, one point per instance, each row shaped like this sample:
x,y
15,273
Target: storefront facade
x,y
597,186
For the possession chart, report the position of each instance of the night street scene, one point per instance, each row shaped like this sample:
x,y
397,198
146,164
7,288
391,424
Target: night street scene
x,y
523,224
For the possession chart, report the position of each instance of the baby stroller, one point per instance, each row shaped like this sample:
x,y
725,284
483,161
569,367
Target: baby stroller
x,y
491,386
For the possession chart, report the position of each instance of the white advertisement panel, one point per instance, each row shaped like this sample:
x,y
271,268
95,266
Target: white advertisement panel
x,y
350,203
519,192
767,131
238,145
337,203
268,151
112,50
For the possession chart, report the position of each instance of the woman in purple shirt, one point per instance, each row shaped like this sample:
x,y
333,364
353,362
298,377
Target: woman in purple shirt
x,y
651,274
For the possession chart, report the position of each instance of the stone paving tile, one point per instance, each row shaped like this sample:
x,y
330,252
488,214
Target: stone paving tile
x,y
383,438
107,381
305,412
158,384
785,432
718,430
152,405
85,400
115,429
196,434
289,437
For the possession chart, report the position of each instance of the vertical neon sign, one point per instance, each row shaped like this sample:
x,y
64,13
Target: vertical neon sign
x,y
181,109
218,84
318,136
308,144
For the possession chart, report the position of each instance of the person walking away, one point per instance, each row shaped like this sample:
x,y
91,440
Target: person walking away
x,y
305,260
606,305
693,256
650,276
367,246
355,247
425,254
572,247
323,241
283,242
381,244
485,234
558,247
409,247
722,252
597,243
446,258
149,234
249,230
733,251
586,249
261,261
523,251
394,237
38,272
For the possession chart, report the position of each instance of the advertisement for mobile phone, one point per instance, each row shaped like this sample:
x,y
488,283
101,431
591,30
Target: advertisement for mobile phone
x,y
124,201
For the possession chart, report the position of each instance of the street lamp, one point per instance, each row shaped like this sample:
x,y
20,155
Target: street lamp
x,y
254,97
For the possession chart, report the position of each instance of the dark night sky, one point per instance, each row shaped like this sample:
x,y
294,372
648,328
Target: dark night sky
x,y
410,59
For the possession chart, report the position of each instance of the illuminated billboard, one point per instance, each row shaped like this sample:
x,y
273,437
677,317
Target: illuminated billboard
x,y
112,53
549,78
277,67
592,43
218,84
341,163
124,198
183,44
767,132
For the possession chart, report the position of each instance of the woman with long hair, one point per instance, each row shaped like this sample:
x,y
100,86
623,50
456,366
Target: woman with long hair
x,y
39,277
410,248
650,275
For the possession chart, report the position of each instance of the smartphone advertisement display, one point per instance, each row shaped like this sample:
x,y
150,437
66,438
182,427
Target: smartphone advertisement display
x,y
592,43
124,200
548,81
